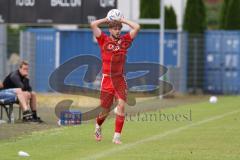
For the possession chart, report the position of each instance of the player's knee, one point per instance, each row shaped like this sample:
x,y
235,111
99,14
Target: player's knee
x,y
33,94
105,112
119,110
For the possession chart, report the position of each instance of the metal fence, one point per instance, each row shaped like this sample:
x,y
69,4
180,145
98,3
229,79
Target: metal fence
x,y
195,64
3,50
206,63
222,57
28,46
46,49
9,51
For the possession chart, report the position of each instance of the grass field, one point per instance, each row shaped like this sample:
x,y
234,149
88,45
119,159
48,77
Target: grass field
x,y
198,131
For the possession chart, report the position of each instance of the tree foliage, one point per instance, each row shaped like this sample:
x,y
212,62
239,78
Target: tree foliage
x,y
223,14
150,9
170,18
195,17
232,15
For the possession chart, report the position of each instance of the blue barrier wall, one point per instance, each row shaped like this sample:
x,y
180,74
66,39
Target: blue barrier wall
x,y
222,52
74,43
45,49
222,70
145,47
70,44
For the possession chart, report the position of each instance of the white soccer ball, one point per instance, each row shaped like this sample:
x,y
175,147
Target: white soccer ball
x,y
213,99
114,14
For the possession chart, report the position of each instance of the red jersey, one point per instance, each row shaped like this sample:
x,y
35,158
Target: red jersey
x,y
113,53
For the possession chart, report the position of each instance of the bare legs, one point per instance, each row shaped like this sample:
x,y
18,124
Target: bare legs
x,y
22,99
31,99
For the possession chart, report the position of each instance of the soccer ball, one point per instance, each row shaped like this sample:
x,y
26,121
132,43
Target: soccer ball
x,y
114,14
213,99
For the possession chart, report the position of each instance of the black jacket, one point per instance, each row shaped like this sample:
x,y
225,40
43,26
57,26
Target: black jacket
x,y
15,80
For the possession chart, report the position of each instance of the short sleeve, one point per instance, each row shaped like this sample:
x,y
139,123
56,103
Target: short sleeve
x,y
101,38
127,37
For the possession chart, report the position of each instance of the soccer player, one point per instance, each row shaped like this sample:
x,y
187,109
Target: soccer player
x,y
113,52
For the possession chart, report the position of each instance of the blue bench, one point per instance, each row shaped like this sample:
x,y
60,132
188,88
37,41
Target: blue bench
x,y
7,105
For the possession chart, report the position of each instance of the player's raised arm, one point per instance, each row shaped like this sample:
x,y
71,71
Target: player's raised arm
x,y
95,26
134,27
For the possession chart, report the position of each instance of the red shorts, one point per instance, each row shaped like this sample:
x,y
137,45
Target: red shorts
x,y
112,87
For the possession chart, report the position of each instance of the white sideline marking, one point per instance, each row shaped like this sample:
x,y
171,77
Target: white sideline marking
x,y
156,137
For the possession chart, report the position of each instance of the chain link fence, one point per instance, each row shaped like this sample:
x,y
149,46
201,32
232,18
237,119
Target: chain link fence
x,y
3,50
188,69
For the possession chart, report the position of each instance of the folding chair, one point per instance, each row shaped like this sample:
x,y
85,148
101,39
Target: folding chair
x,y
7,104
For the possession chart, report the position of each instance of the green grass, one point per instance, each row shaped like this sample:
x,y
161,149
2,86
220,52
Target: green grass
x,y
212,134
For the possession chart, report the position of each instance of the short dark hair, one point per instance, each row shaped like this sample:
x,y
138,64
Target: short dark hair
x,y
113,24
23,63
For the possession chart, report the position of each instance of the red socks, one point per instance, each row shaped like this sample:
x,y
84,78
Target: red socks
x,y
119,123
100,120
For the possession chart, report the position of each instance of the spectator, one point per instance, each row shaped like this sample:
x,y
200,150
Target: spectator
x,y
19,79
18,94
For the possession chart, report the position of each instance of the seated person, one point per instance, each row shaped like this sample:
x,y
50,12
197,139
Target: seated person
x,y
19,79
19,95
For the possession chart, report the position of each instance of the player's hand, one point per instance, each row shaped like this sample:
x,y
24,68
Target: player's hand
x,y
122,19
106,20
